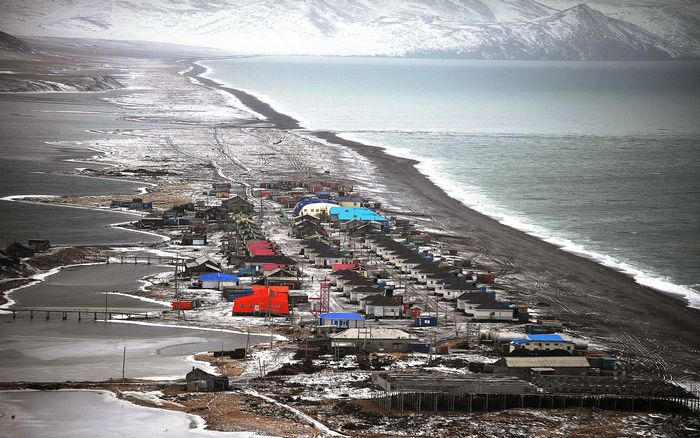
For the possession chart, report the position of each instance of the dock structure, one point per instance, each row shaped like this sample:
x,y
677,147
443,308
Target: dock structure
x,y
87,313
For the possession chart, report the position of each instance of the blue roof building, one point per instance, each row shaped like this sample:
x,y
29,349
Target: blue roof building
x,y
356,213
542,343
342,320
218,276
217,280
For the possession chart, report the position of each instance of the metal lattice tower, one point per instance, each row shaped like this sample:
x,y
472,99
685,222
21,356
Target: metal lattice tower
x,y
325,297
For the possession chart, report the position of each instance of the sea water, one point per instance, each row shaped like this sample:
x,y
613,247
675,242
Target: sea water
x,y
44,137
601,158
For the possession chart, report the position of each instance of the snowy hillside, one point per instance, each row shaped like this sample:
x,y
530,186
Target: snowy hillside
x,y
677,21
524,29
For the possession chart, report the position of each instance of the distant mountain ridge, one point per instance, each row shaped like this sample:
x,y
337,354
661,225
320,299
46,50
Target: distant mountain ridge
x,y
12,43
492,29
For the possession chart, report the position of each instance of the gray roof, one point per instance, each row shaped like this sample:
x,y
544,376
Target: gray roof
x,y
546,362
381,300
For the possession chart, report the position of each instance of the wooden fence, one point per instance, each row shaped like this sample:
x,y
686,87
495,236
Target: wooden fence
x,y
446,402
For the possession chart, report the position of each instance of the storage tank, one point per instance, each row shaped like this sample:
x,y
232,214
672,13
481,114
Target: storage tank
x,y
580,344
505,337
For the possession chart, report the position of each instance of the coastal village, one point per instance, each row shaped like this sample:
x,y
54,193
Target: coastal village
x,y
376,320
370,318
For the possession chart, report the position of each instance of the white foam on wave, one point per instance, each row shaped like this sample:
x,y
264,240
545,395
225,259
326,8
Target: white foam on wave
x,y
475,199
472,198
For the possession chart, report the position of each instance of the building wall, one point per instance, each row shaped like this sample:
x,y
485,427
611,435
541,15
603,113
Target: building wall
x,y
498,315
384,311
317,209
544,346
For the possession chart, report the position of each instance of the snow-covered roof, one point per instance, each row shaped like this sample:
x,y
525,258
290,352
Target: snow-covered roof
x,y
373,333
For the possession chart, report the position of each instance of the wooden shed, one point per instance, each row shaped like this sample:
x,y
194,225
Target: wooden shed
x,y
201,381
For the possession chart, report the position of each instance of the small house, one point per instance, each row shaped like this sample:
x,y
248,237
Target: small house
x,y
525,367
283,277
201,381
237,205
217,280
151,222
194,239
39,245
16,250
349,201
360,292
380,306
373,339
201,265
494,311
342,320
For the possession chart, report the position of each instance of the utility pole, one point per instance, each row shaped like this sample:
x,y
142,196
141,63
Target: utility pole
x,y
124,363
247,344
177,295
268,313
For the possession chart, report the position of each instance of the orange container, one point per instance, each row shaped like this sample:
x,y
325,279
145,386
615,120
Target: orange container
x,y
182,305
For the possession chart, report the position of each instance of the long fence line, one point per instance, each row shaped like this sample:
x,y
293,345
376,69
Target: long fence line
x,y
445,402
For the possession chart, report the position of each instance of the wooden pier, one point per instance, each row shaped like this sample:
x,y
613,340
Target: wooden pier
x,y
88,313
144,260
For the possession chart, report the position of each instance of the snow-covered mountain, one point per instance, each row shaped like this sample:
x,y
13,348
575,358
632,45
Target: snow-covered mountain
x,y
521,29
11,43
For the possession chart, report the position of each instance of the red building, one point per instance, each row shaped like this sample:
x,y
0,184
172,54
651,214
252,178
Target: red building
x,y
265,299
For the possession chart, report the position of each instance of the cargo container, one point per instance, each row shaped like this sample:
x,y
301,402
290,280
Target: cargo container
x,y
418,347
425,321
182,304
608,363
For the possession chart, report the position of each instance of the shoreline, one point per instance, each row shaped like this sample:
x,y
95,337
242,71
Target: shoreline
x,y
582,290
379,153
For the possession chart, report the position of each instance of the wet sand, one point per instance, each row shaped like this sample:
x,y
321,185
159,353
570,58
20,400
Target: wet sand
x,y
643,325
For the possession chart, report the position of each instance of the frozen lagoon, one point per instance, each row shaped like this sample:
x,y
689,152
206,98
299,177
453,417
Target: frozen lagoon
x,y
93,413
78,287
55,350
